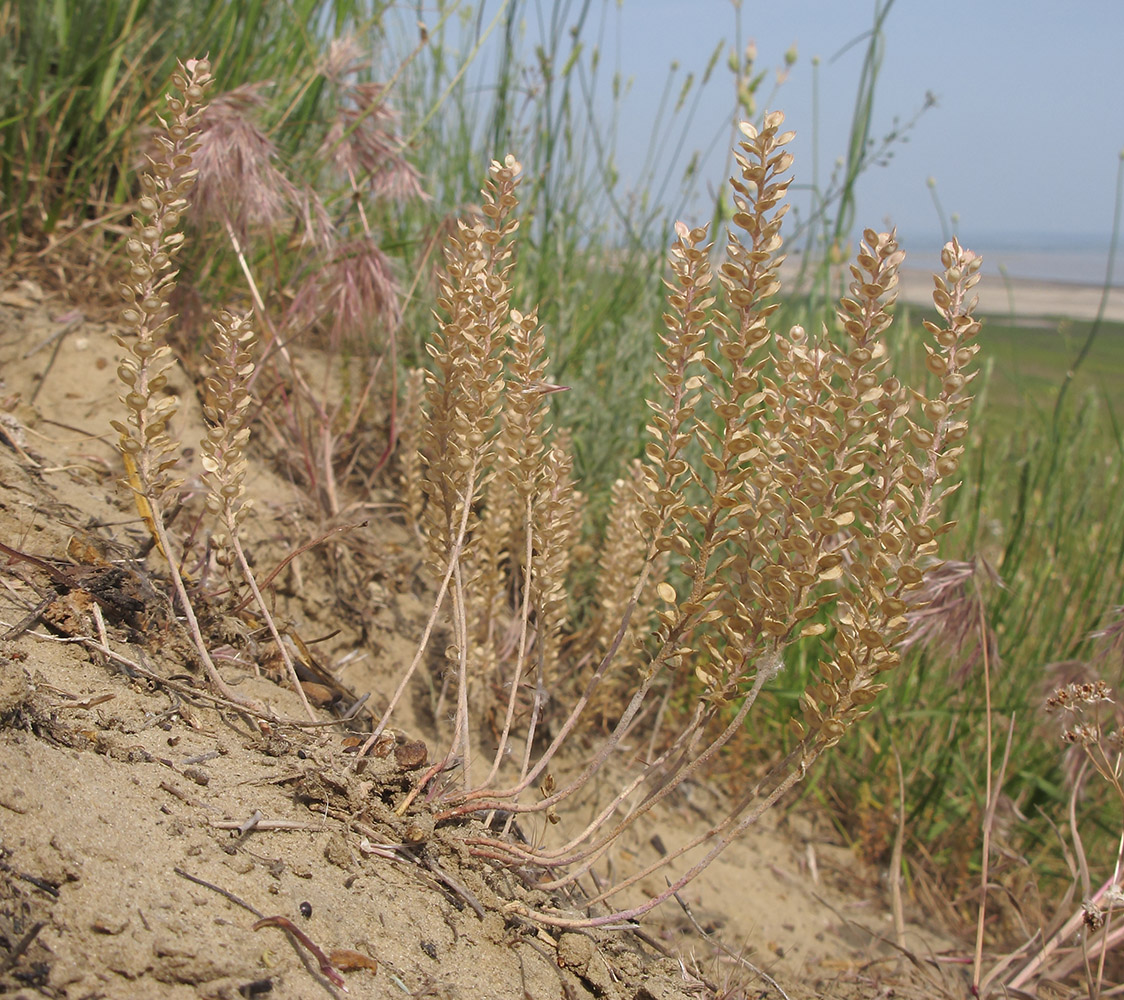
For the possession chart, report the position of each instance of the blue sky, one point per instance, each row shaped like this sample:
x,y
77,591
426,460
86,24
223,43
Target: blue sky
x,y
1024,141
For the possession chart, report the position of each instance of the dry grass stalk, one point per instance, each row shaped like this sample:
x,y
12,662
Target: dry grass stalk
x,y
624,561
793,482
1089,724
226,407
334,280
624,555
145,442
409,441
146,446
947,616
462,400
240,185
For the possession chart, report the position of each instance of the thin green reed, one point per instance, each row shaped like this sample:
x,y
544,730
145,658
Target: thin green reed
x,y
858,143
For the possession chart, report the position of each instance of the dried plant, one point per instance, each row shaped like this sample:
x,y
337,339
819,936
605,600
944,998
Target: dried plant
x,y
333,278
409,440
791,487
363,141
355,286
226,408
624,554
240,185
463,401
1083,935
146,445
949,612
1083,726
1084,711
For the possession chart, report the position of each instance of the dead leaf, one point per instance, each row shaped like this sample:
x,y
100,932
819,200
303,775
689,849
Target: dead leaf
x,y
347,960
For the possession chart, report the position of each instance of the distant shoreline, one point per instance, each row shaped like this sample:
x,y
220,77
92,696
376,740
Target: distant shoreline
x,y
1022,297
1019,297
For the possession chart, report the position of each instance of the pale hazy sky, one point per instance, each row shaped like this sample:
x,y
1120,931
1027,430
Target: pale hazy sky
x,y
1029,122
1023,143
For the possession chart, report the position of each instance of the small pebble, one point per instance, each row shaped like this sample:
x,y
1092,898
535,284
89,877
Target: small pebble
x,y
412,755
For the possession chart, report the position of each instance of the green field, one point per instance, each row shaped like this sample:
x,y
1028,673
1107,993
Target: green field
x,y
1028,360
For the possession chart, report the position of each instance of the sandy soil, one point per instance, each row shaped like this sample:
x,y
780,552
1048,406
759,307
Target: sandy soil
x,y
130,862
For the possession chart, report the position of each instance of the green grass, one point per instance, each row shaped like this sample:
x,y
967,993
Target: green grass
x,y
81,79
1028,357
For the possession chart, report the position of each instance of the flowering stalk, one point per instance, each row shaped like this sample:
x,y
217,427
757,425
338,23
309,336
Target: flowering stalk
x,y
146,446
227,401
791,485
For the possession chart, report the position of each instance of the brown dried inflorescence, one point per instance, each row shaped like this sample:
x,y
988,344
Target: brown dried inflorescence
x,y
226,408
791,488
949,615
152,248
147,447
240,183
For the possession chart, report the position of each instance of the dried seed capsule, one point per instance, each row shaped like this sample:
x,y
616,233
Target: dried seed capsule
x,y
936,410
